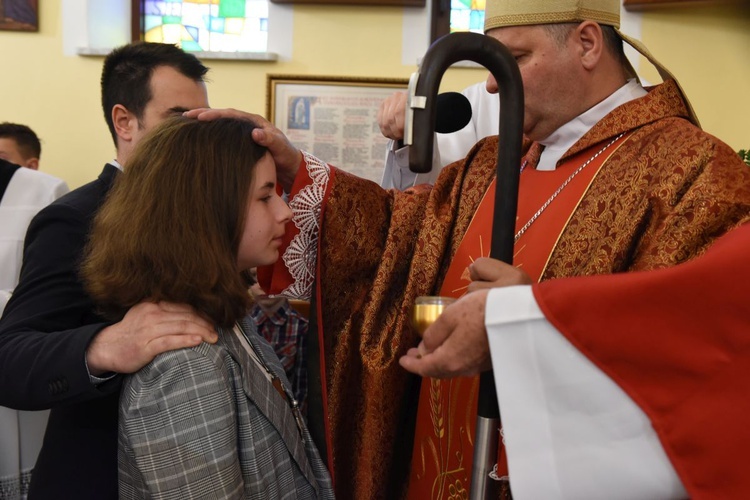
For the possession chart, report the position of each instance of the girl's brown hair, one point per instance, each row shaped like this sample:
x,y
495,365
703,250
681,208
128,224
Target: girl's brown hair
x,y
171,225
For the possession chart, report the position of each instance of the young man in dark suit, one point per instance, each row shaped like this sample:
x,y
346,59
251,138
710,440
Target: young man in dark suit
x,y
55,350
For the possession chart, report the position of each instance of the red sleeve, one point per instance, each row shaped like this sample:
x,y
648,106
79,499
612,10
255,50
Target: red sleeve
x,y
677,341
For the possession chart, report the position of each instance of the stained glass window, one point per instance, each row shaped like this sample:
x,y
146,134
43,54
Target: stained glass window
x,y
467,15
208,25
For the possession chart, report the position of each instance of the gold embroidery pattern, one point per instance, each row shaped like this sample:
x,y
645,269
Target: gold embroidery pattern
x,y
372,259
647,210
443,455
380,250
436,410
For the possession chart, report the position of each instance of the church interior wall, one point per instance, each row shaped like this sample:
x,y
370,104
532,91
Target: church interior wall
x,y
57,93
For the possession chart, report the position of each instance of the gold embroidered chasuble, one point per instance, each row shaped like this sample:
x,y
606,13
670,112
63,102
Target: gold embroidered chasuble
x,y
659,200
446,415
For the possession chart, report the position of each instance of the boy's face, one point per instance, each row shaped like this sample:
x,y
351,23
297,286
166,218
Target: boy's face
x,y
9,151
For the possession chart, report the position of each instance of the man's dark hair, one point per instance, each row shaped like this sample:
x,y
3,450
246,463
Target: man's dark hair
x,y
127,71
28,143
613,41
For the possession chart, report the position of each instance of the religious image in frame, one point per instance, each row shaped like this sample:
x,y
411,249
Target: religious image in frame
x,y
333,117
19,15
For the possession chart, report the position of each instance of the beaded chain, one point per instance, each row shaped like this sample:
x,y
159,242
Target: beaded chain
x,y
562,186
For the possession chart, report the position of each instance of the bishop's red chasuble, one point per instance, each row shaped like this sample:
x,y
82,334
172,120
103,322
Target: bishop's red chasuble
x,y
444,437
660,198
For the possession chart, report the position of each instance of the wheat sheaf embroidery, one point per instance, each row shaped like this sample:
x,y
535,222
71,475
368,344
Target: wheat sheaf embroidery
x,y
436,409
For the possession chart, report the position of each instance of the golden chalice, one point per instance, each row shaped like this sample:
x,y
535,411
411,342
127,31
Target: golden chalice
x,y
426,310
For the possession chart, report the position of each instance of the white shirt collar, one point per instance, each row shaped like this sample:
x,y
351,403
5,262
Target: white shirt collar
x,y
117,165
564,137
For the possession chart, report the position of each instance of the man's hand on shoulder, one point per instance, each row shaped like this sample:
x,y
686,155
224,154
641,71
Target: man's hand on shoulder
x,y
147,330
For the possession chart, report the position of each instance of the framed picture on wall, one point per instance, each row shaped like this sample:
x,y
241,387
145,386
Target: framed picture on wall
x,y
19,15
334,118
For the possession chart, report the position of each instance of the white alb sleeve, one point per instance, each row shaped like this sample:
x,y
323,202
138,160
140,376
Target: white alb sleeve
x,y
570,432
396,173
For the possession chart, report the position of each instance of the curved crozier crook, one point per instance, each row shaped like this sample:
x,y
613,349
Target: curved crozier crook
x,y
422,111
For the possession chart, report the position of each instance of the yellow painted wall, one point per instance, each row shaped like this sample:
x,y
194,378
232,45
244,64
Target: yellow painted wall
x,y
58,96
708,50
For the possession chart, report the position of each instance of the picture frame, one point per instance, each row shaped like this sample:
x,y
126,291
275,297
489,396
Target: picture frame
x,y
333,117
19,15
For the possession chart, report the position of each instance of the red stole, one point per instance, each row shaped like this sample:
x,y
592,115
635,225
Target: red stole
x,y
444,436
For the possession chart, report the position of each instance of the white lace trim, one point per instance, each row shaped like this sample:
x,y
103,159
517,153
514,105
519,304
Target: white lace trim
x,y
300,256
16,485
493,473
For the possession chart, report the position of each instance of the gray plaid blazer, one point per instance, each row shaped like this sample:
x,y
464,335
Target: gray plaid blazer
x,y
206,422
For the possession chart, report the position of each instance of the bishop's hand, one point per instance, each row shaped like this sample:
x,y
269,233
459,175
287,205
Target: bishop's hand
x,y
455,344
491,273
285,155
